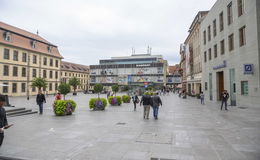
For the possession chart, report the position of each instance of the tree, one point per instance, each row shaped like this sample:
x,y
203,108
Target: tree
x,y
74,82
39,83
64,89
98,88
115,89
125,88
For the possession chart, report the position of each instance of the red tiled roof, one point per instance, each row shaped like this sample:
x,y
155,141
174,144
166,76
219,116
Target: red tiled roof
x,y
67,66
22,39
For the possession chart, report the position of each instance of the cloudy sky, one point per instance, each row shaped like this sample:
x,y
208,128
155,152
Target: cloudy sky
x,y
88,30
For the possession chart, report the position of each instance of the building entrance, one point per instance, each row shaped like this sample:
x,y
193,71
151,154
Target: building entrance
x,y
220,84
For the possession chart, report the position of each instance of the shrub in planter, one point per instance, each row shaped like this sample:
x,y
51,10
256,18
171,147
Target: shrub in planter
x,y
115,101
126,98
97,103
64,107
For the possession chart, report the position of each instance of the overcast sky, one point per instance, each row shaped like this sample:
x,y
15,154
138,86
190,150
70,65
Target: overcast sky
x,y
88,30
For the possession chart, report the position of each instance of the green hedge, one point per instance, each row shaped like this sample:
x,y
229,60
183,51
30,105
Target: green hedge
x,y
115,100
94,100
126,98
64,107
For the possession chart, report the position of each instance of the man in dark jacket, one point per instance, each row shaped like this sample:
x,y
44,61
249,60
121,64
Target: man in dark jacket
x,y
135,100
156,103
3,120
146,101
224,98
39,100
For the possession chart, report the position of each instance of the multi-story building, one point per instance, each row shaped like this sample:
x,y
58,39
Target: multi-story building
x,y
183,67
230,42
135,70
70,70
23,57
173,78
193,56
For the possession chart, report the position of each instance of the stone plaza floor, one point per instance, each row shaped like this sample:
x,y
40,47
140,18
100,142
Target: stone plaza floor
x,y
185,130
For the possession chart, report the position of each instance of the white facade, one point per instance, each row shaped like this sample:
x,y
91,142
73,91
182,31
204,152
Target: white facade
x,y
244,88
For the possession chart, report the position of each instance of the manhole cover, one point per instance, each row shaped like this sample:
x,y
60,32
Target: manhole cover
x,y
120,123
157,138
242,107
161,159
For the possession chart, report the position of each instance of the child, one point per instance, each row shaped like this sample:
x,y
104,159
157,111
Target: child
x,y
3,120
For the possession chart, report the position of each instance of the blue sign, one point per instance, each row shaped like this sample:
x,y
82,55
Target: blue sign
x,y
145,86
129,78
248,69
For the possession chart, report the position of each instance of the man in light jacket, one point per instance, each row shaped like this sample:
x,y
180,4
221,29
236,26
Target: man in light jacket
x,y
156,101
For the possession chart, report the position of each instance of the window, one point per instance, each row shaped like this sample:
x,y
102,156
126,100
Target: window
x,y
15,55
6,70
34,73
51,62
240,7
33,43
222,47
14,87
33,89
23,72
6,54
215,28
231,42
242,36
45,61
50,75
24,57
23,87
50,86
5,88
56,75
49,49
56,86
215,51
7,36
244,88
205,56
209,33
34,59
206,86
204,37
44,74
15,71
57,63
209,54
221,22
229,14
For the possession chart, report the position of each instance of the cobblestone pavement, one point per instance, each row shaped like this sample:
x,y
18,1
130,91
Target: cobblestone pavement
x,y
185,130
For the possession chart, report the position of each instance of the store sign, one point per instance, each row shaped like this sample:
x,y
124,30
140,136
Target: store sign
x,y
220,66
248,69
143,65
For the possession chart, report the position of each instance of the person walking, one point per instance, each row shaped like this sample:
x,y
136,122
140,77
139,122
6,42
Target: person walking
x,y
3,120
224,98
146,102
135,100
39,100
202,98
156,103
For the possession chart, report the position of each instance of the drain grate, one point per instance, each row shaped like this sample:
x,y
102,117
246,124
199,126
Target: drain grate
x,y
242,107
155,138
121,123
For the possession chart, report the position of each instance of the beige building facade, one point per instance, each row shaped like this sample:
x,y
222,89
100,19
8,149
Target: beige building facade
x,y
70,70
193,58
23,57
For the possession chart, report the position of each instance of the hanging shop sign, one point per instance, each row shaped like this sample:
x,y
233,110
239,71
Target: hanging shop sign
x,y
248,69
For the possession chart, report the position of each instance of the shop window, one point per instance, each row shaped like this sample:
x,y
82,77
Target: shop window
x,y
244,88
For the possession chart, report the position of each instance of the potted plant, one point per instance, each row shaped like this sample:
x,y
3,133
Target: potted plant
x,y
64,107
126,98
115,100
74,82
98,103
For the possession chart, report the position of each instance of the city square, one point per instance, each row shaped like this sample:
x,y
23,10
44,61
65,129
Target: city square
x,y
185,130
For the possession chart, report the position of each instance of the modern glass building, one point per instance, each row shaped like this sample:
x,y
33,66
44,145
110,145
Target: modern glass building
x,y
137,70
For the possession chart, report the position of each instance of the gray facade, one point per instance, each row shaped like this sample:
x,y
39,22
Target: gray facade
x,y
233,66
